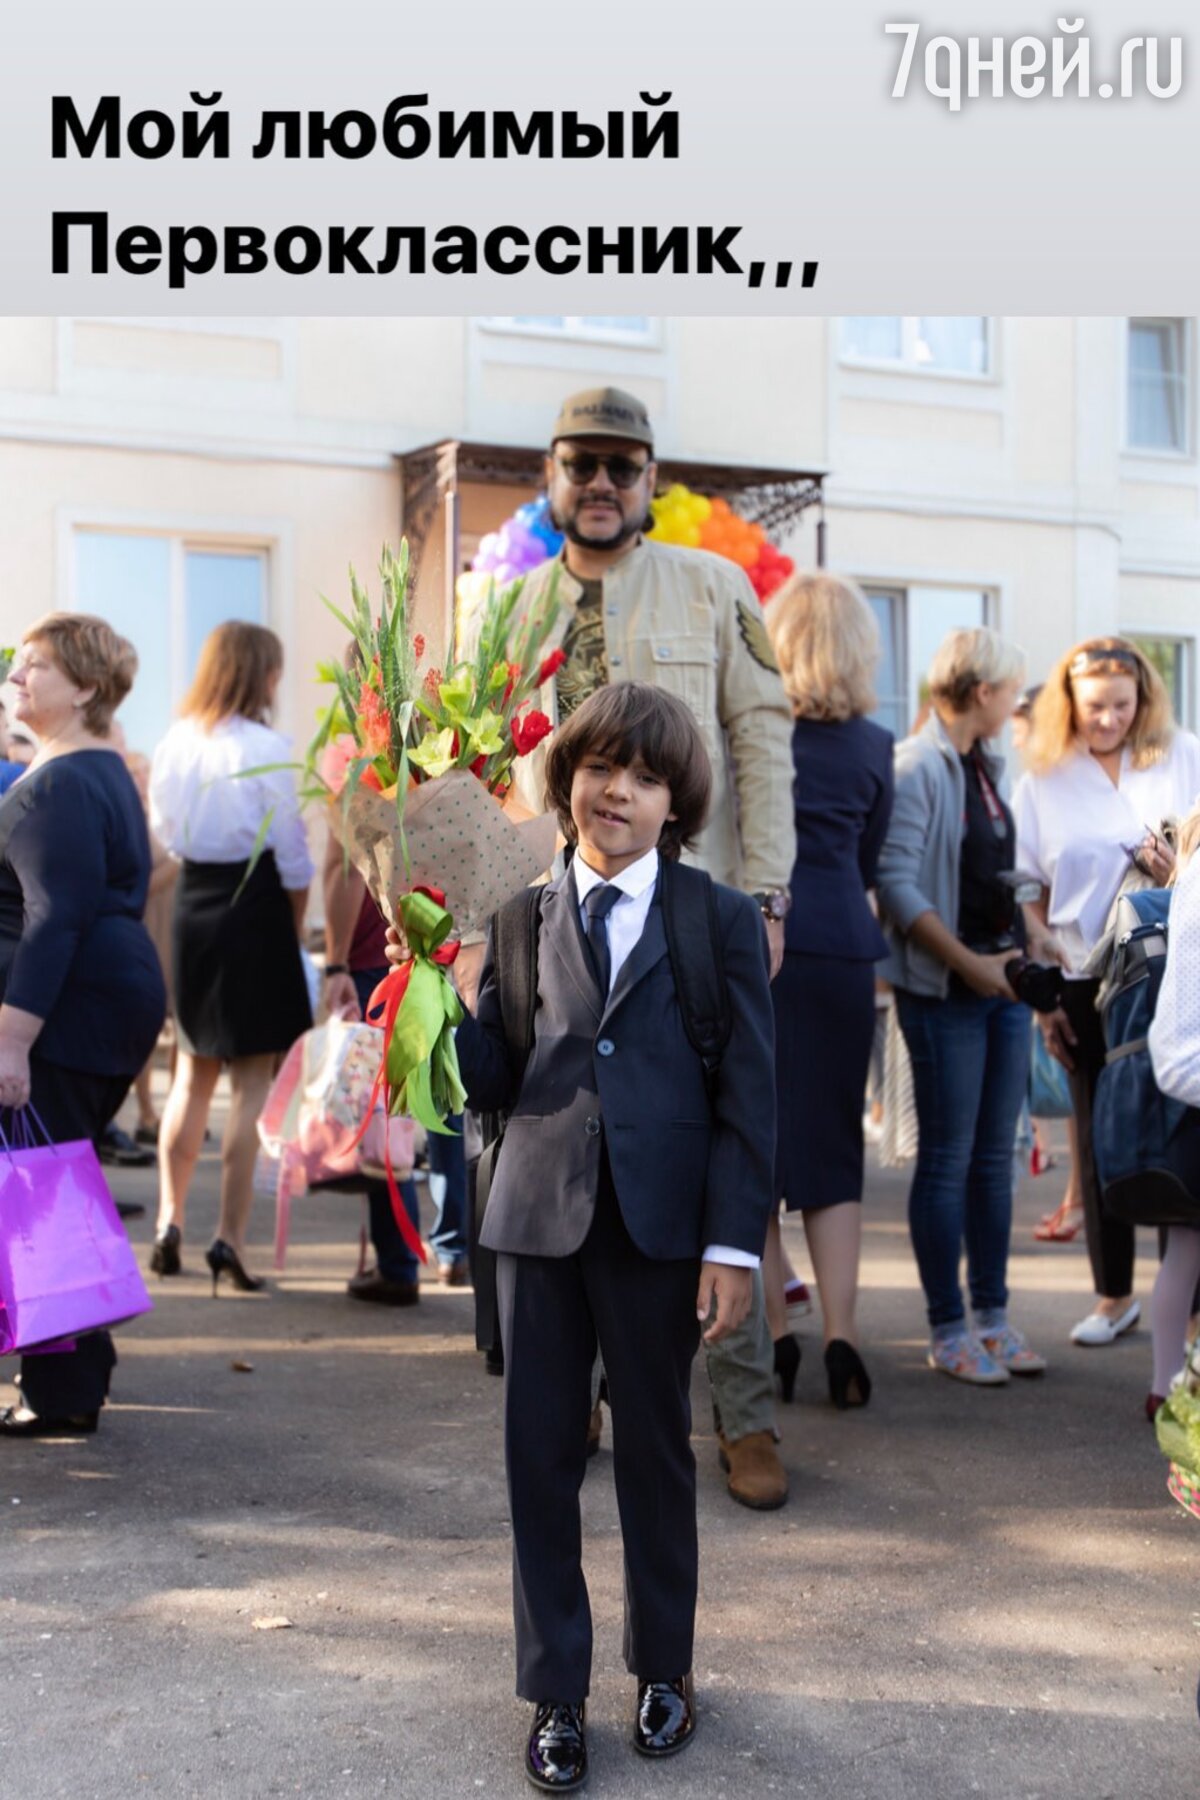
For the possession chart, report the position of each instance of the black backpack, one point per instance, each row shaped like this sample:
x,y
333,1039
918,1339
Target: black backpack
x,y
1133,1121
697,964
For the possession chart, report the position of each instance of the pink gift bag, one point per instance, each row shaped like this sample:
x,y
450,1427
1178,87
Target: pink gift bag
x,y
312,1125
66,1265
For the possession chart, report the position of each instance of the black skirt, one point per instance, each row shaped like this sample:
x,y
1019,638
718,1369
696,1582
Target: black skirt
x,y
824,1027
239,982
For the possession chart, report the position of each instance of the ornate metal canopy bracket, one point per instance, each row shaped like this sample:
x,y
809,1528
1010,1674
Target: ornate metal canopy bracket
x,y
770,497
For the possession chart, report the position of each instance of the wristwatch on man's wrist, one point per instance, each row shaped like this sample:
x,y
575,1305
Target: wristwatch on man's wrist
x,y
774,904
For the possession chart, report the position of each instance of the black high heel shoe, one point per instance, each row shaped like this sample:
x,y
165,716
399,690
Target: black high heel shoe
x,y
223,1259
787,1362
165,1258
849,1383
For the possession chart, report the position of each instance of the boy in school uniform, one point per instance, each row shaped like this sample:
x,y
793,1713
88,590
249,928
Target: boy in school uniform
x,y
628,1208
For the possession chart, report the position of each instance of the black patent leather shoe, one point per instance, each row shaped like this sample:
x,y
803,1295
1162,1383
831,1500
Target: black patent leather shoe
x,y
223,1259
556,1754
666,1716
165,1258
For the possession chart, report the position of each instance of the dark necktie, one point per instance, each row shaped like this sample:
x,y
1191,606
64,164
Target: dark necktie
x,y
598,904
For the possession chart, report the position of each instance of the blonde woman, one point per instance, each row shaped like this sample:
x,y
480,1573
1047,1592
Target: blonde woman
x,y
1106,766
952,925
240,991
827,644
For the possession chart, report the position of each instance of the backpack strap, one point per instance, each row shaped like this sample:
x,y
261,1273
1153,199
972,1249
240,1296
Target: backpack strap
x,y
697,961
515,929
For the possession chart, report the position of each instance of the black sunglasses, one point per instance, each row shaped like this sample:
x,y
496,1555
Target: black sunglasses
x,y
584,465
1084,661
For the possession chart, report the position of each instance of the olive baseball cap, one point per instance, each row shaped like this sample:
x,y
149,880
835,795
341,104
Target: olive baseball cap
x,y
604,412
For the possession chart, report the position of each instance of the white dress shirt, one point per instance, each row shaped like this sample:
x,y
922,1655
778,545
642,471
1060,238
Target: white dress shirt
x,y
1175,1027
201,813
1074,830
625,925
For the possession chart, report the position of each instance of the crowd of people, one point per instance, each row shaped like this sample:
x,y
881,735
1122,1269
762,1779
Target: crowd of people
x,y
635,1207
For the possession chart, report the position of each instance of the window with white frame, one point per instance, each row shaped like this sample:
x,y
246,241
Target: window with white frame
x,y
1174,658
593,329
165,594
948,346
1158,386
912,623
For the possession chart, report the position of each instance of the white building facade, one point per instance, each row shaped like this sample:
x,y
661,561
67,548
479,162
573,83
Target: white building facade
x,y
1039,474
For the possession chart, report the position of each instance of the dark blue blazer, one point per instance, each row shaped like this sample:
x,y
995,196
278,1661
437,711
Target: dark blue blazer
x,y
687,1174
843,800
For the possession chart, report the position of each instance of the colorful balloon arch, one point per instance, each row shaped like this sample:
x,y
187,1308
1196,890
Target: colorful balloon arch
x,y
680,517
684,517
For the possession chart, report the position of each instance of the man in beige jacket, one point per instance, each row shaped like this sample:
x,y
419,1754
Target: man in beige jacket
x,y
689,622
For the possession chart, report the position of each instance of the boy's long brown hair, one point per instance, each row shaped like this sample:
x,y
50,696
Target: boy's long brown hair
x,y
624,721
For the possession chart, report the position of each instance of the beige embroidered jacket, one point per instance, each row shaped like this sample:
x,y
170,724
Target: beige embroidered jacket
x,y
691,623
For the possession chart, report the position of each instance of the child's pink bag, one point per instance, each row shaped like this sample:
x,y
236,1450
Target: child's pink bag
x,y
311,1127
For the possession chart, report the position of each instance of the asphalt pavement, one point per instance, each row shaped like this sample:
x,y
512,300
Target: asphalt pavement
x,y
281,1565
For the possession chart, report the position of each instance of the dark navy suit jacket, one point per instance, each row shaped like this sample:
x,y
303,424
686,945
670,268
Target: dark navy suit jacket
x,y
843,798
687,1174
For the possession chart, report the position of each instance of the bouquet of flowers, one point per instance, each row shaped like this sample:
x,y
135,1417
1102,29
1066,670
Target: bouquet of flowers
x,y
415,765
1177,1425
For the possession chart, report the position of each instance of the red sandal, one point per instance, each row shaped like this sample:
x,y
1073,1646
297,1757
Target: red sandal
x,y
1054,1228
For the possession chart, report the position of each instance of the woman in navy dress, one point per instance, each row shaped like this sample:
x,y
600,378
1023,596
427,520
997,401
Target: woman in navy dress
x,y
827,644
81,992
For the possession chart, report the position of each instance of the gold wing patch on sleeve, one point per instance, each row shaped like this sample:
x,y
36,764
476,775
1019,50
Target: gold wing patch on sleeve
x,y
756,637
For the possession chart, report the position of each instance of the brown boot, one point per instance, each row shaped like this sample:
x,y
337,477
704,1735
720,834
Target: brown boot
x,y
756,1475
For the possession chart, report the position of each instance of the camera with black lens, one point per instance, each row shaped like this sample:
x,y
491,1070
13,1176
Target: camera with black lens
x,y
1039,985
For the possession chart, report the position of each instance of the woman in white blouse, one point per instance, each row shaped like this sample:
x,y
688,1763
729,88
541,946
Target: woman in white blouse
x,y
1106,767
240,991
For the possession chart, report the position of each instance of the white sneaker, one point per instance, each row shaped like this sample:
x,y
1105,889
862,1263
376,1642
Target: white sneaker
x,y
1098,1328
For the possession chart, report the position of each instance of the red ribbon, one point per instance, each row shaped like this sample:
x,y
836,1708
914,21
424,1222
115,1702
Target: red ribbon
x,y
388,998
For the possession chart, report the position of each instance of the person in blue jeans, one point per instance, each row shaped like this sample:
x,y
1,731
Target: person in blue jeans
x,y
952,923
448,1191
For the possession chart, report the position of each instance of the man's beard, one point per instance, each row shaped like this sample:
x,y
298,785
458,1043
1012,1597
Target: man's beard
x,y
620,535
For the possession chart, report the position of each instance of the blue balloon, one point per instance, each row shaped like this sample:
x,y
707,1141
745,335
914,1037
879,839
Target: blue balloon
x,y
521,543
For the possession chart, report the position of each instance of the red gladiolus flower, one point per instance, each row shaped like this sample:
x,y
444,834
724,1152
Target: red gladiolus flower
x,y
478,766
375,722
514,675
432,682
371,780
418,646
528,732
551,666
